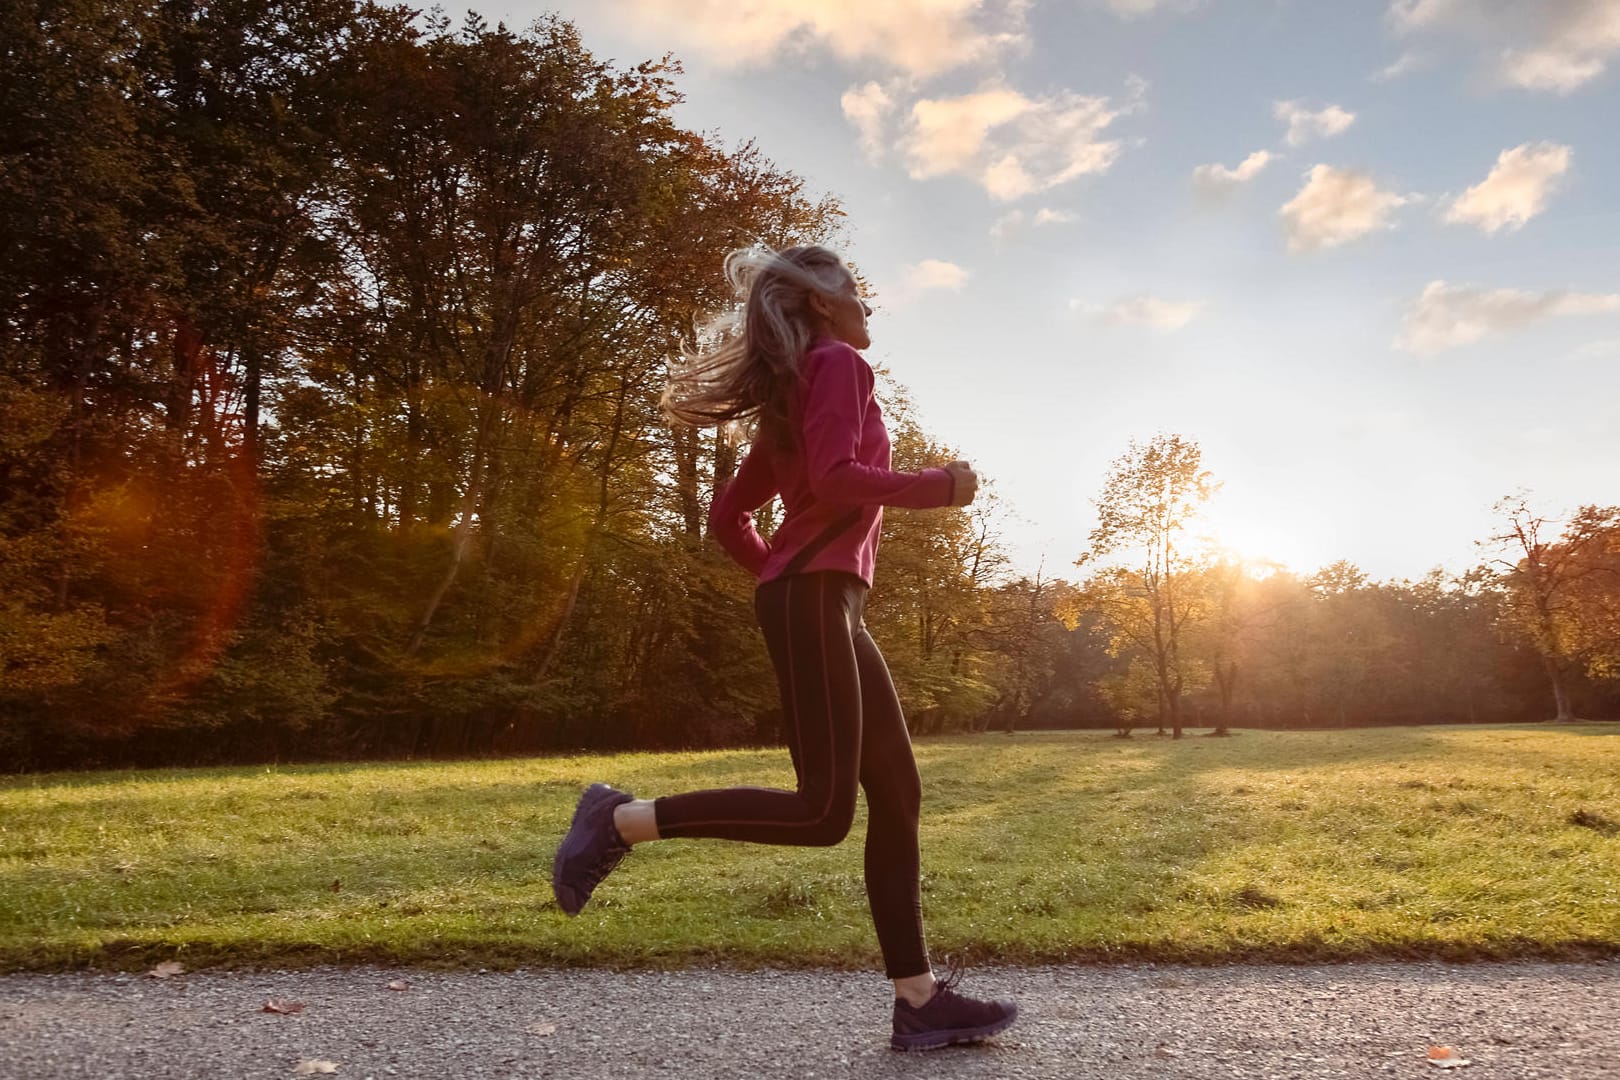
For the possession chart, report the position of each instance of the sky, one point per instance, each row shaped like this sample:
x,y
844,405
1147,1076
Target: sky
x,y
1365,253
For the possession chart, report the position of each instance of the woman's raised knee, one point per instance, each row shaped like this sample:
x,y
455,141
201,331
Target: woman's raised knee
x,y
830,829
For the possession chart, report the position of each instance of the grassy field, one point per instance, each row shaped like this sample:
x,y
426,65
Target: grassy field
x,y
1455,842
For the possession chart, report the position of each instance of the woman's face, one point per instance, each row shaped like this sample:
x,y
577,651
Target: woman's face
x,y
843,314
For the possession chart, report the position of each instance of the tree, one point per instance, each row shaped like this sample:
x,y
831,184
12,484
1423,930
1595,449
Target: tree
x,y
1234,614
1545,580
927,605
1152,494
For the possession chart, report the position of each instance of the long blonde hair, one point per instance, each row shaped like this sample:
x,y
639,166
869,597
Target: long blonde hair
x,y
747,383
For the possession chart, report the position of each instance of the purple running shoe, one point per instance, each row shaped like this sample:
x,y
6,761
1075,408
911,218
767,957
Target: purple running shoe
x,y
949,1017
591,849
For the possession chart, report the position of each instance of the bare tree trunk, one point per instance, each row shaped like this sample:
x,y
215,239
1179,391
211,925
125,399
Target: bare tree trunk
x,y
458,552
253,362
684,440
554,646
1226,682
1560,691
1175,708
597,525
725,462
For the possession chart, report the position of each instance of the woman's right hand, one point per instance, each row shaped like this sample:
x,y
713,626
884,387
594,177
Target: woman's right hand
x,y
967,482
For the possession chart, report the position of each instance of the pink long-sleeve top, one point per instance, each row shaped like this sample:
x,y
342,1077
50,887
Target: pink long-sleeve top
x,y
841,463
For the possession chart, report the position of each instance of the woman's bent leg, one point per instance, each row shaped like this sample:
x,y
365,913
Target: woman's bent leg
x,y
809,622
893,801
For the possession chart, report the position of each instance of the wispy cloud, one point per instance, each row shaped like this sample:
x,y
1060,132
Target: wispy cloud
x,y
1307,124
1550,45
1143,309
1409,61
1011,144
1516,189
868,108
919,37
1603,349
1008,224
1336,206
1217,179
1446,316
1015,221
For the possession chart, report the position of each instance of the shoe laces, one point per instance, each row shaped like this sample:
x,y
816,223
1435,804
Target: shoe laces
x,y
954,971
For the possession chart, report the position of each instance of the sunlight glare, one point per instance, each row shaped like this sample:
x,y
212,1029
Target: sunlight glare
x,y
1259,544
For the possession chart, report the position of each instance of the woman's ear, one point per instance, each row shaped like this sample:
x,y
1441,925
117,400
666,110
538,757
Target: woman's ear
x,y
819,305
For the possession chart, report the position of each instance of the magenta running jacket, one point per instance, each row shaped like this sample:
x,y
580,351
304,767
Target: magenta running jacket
x,y
842,463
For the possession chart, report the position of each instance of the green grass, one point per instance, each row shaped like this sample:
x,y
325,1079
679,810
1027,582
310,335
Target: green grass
x,y
1453,842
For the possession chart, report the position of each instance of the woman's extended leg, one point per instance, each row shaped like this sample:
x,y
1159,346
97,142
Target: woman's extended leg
x,y
893,801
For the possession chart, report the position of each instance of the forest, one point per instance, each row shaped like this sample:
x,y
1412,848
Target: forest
x,y
333,338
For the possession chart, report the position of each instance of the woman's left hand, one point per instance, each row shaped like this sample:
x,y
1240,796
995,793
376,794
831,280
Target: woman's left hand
x,y
967,482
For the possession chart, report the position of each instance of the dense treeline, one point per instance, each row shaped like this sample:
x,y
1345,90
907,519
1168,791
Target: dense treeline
x,y
1532,633
332,344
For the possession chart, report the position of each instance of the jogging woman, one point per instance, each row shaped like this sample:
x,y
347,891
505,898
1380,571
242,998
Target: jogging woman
x,y
789,366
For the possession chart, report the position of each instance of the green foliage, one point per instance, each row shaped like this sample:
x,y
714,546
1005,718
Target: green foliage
x,y
331,342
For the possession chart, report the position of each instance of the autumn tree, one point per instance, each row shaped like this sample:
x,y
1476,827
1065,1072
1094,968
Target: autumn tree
x,y
1234,614
1150,498
1557,587
928,602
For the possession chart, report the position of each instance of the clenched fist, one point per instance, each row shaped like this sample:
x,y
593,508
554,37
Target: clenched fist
x,y
967,482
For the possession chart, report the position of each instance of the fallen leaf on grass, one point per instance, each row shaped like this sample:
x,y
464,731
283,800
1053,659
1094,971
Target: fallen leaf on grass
x,y
311,1066
167,969
399,984
285,1008
1444,1057
542,1029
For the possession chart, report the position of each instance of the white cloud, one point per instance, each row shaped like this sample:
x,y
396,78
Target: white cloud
x,y
868,108
1131,9
1552,45
1011,144
931,274
1336,206
1516,189
1145,310
1305,124
1047,216
1218,179
1446,316
1551,69
919,37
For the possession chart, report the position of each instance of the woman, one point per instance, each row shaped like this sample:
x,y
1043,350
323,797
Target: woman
x,y
790,365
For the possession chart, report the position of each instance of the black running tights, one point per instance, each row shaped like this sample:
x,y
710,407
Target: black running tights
x,y
843,725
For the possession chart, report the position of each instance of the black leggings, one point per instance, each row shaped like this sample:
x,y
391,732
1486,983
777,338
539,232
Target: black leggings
x,y
843,724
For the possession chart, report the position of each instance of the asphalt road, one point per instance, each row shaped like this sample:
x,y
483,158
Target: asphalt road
x,y
1554,1021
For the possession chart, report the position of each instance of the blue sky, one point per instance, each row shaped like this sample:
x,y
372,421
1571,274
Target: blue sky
x,y
1366,253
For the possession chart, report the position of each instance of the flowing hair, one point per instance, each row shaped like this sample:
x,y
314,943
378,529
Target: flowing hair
x,y
747,383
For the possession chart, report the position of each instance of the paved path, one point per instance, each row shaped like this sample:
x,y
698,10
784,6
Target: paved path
x,y
1555,1021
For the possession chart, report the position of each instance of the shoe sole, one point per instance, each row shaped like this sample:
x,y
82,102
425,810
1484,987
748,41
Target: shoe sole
x,y
938,1040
